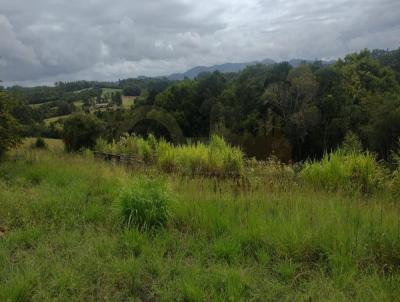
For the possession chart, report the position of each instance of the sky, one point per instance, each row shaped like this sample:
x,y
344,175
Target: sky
x,y
43,41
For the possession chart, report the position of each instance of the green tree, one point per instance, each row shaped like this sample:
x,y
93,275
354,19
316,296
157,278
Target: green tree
x,y
294,101
82,131
117,98
9,127
132,91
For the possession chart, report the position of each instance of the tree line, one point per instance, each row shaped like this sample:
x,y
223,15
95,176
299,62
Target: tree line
x,y
292,113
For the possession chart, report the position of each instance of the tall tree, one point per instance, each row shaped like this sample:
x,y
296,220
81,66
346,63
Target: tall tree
x,y
9,127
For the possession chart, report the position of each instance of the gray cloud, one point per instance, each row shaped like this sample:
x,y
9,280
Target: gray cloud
x,y
43,41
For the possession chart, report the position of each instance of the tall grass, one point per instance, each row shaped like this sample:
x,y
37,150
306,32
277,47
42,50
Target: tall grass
x,y
129,145
345,171
214,159
144,204
64,241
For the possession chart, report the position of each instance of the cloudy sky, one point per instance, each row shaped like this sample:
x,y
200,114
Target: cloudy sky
x,y
42,41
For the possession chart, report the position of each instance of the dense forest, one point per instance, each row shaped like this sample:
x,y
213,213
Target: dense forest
x,y
292,113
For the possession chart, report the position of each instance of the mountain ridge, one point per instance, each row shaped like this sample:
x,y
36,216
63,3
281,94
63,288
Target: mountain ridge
x,y
233,67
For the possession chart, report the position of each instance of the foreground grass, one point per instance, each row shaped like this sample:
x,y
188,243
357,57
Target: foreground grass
x,y
64,239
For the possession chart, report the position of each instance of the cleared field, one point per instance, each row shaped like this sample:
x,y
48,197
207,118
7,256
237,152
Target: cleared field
x,y
78,104
128,101
56,118
82,90
53,144
110,90
63,237
40,104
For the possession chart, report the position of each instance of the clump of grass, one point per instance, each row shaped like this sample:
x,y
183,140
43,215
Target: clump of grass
x,y
215,159
145,205
345,171
131,145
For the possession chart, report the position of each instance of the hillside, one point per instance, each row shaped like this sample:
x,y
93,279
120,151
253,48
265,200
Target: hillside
x,y
63,237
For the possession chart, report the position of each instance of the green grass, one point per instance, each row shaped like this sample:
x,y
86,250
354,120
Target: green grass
x,y
128,101
56,145
78,104
346,171
106,91
65,239
40,104
216,159
56,118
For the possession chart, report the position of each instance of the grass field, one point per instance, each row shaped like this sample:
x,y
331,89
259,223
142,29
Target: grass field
x,y
127,101
55,119
110,90
78,104
38,105
56,145
63,238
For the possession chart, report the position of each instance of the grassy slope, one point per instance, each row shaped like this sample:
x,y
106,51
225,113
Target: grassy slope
x,y
56,145
127,101
56,118
65,241
110,90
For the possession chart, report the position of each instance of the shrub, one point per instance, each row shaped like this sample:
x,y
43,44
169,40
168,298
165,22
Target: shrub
x,y
351,143
81,131
40,143
145,205
395,181
9,127
346,171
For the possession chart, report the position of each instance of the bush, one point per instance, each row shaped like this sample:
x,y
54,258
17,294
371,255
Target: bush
x,y
395,181
81,131
9,127
40,143
145,205
132,91
346,171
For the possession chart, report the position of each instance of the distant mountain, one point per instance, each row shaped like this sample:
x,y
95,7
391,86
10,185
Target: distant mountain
x,y
297,62
233,67
224,68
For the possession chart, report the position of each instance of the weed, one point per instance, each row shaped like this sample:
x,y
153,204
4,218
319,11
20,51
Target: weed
x,y
145,205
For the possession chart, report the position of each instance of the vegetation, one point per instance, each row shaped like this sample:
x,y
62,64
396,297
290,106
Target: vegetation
x,y
62,236
81,131
215,159
145,205
40,143
349,172
293,113
9,127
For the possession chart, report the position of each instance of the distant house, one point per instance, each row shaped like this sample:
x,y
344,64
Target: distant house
x,y
102,105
